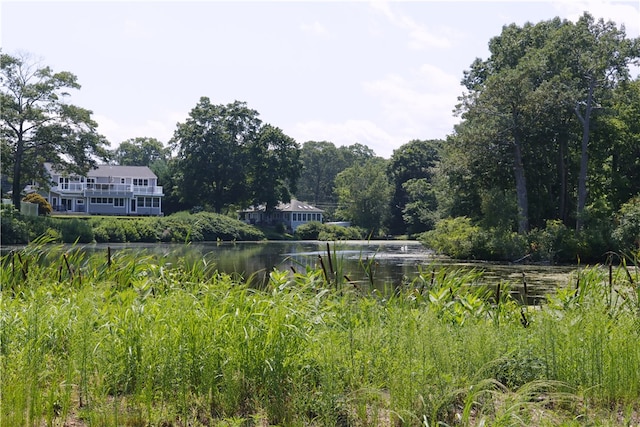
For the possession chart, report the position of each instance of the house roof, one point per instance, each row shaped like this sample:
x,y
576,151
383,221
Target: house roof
x,y
114,171
297,206
292,206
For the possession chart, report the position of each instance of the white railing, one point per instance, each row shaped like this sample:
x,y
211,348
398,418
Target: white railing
x,y
147,190
107,188
118,188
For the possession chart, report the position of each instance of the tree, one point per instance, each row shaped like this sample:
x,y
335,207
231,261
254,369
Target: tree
x,y
363,194
598,59
322,162
212,146
140,152
415,160
227,157
419,212
37,125
508,94
274,167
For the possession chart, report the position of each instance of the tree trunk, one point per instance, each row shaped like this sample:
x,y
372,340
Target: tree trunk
x,y
521,187
16,186
584,158
563,195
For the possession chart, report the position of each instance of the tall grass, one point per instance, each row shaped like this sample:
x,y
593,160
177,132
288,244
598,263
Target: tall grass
x,y
144,340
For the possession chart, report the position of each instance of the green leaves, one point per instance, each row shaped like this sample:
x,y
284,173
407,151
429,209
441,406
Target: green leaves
x,y
36,126
227,157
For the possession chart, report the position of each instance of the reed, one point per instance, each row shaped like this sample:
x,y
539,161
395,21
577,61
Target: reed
x,y
118,339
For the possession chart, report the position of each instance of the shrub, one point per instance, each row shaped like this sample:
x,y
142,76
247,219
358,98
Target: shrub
x,y
75,230
336,232
12,229
627,230
309,231
554,243
109,230
454,237
44,208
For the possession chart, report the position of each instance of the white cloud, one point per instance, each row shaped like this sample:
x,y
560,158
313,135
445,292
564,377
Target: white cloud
x,y
620,12
421,104
315,28
136,30
117,130
420,37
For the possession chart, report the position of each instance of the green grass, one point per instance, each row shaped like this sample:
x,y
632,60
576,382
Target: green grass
x,y
161,341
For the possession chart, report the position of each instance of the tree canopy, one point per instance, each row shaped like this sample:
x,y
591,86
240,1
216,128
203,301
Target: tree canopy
x,y
38,125
227,157
141,151
528,114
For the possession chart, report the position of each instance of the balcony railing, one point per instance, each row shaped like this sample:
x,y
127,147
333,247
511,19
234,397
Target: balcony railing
x,y
103,188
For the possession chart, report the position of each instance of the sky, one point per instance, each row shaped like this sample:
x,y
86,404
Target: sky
x,y
379,73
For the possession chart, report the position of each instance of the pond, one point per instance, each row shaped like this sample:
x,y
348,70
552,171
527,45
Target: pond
x,y
383,263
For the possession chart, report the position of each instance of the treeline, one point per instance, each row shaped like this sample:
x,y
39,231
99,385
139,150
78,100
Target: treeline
x,y
545,161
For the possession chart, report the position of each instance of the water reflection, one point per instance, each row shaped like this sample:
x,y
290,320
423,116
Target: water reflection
x,y
386,263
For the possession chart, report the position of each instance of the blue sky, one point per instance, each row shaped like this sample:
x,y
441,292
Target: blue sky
x,y
379,73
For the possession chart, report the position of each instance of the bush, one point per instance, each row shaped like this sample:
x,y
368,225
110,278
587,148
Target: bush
x,y
109,230
627,230
75,230
44,208
309,231
12,227
336,232
554,243
454,237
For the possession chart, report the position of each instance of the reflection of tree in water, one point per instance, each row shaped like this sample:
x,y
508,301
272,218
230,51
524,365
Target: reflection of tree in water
x,y
392,262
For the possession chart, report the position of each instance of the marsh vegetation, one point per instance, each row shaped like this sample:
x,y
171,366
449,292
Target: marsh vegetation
x,y
141,339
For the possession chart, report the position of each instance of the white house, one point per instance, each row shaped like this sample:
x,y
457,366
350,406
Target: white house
x,y
291,215
106,190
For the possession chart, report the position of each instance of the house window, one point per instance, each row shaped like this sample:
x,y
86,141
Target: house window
x,y
141,181
156,202
79,202
118,202
122,180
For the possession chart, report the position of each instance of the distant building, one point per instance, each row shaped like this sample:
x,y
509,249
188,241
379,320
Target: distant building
x,y
106,190
292,215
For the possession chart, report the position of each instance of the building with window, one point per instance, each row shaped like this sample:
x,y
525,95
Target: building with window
x,y
291,215
106,190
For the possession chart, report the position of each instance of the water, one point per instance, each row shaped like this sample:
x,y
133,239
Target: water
x,y
385,263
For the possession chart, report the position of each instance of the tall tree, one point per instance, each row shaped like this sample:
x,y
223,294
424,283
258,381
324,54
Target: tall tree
x,y
514,108
140,151
598,59
415,160
37,125
212,153
321,162
274,167
227,157
363,194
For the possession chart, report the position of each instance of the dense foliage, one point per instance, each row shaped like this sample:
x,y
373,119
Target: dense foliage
x,y
138,340
44,207
37,125
226,156
180,227
329,232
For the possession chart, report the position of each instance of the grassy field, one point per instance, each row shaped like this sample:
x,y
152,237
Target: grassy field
x,y
138,340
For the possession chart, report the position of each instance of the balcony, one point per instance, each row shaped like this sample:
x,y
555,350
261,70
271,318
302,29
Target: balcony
x,y
103,189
